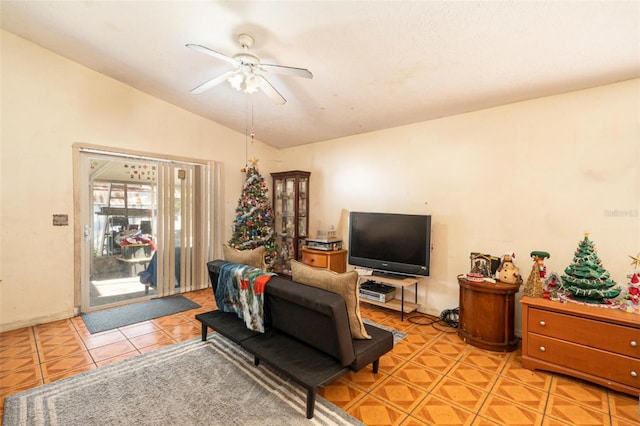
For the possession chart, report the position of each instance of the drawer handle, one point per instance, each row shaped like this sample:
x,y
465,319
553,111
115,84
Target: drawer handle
x,y
634,373
634,344
542,323
543,349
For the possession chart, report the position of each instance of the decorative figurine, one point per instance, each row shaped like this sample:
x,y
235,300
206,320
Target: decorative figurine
x,y
480,267
631,300
585,279
552,285
508,272
534,286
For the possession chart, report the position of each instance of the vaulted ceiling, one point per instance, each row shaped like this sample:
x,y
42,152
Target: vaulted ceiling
x,y
375,64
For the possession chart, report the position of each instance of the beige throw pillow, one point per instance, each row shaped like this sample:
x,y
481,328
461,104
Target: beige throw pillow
x,y
345,284
253,257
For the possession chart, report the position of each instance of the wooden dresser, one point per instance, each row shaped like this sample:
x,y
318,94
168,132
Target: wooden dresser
x,y
597,344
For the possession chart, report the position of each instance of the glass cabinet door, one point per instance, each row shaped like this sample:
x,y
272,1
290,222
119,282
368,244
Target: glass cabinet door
x,y
291,205
303,227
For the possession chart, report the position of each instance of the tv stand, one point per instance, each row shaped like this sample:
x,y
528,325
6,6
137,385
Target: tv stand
x,y
390,275
400,281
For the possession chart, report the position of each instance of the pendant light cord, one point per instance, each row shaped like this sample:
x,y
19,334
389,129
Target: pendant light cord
x,y
246,142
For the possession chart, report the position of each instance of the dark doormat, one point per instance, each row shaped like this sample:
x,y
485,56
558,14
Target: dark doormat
x,y
121,316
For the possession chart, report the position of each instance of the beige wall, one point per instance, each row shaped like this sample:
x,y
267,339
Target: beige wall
x,y
48,103
528,176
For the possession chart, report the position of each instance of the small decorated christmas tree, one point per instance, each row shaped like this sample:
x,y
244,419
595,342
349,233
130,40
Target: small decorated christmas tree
x,y
586,279
253,226
534,285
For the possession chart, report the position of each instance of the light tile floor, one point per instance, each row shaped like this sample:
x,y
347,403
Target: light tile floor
x,y
430,378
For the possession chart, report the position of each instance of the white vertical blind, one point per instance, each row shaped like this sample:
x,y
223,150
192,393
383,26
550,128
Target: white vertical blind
x,y
198,189
165,244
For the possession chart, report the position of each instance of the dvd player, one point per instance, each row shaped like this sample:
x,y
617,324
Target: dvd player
x,y
325,244
376,291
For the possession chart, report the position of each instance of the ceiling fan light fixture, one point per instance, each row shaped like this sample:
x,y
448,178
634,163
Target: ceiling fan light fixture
x,y
245,77
236,80
244,81
251,84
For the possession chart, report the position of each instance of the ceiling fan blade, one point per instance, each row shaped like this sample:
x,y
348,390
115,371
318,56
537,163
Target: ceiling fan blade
x,y
292,71
213,53
213,82
269,90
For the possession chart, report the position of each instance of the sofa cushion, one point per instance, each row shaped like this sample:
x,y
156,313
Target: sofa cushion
x,y
312,315
368,351
253,257
345,284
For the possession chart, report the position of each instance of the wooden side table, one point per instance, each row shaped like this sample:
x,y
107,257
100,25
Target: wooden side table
x,y
486,317
336,260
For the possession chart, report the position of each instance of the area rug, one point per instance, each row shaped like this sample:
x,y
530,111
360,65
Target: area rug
x,y
397,335
121,316
191,383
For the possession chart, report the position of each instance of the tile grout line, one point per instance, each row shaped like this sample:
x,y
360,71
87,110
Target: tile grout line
x,y
35,342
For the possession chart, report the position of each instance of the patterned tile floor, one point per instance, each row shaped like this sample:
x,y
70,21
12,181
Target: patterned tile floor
x,y
430,378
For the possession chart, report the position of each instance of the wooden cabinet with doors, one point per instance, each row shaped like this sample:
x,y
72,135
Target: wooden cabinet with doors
x,y
487,314
291,210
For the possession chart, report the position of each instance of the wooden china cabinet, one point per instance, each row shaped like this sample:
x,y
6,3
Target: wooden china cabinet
x,y
291,210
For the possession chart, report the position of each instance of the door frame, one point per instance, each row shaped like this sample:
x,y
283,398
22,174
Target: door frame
x,y
211,205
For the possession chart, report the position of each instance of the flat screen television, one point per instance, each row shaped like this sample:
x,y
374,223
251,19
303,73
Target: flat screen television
x,y
390,243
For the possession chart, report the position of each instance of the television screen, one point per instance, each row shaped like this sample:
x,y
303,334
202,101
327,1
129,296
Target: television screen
x,y
390,242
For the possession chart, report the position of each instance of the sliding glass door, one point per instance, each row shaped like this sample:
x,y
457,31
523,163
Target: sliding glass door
x,y
147,227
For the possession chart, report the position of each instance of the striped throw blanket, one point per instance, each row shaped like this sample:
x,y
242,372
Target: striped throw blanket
x,y
240,289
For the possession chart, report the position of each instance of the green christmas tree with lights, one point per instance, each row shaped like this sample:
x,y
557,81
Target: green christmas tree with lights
x,y
586,279
253,225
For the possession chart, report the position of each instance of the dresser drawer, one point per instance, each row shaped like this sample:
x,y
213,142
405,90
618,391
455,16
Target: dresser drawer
x,y
606,336
315,260
613,367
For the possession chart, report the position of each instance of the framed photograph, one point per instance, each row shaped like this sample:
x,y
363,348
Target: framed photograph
x,y
484,264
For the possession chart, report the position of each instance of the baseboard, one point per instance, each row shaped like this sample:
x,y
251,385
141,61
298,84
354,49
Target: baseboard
x,y
37,320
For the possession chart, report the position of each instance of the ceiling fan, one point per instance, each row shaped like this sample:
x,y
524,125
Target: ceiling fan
x,y
246,76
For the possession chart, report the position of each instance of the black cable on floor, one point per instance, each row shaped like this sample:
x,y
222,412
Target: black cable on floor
x,y
448,318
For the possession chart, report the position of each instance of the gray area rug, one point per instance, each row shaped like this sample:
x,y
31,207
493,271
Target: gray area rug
x,y
121,316
190,383
397,335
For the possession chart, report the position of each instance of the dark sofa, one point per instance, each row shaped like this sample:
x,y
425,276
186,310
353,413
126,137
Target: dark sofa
x,y
307,336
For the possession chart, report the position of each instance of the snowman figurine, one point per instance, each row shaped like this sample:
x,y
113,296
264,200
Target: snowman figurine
x,y
508,272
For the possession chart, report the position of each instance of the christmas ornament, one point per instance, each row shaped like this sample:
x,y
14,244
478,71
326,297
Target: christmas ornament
x,y
631,300
552,285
